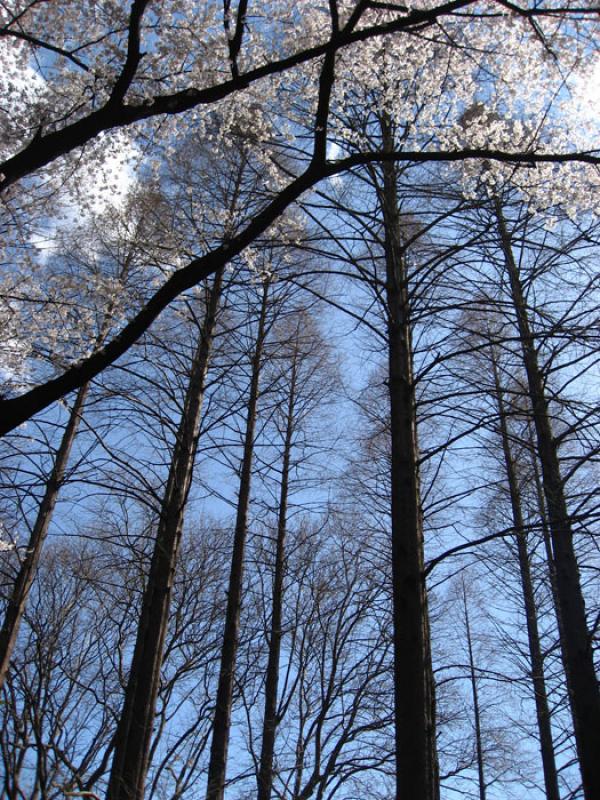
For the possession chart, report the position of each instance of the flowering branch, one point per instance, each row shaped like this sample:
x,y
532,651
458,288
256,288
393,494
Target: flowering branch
x,y
45,148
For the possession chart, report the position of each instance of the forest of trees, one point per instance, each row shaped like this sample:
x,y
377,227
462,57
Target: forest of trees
x,y
298,408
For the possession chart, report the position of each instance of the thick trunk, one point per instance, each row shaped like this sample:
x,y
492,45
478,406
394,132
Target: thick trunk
x,y
265,775
222,719
575,639
416,762
132,739
533,636
475,696
18,599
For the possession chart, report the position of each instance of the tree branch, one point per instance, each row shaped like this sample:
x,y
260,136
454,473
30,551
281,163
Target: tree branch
x,y
15,411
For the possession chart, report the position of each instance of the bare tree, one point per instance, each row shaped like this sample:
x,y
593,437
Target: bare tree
x,y
224,698
577,652
132,742
300,358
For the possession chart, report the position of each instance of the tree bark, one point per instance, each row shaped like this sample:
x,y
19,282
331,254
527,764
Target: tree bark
x,y
416,760
533,637
18,599
575,638
132,739
541,506
265,775
222,719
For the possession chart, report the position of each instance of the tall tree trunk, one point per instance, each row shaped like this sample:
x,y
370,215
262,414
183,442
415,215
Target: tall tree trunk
x,y
265,775
222,719
132,739
541,506
575,638
533,636
475,695
18,598
416,761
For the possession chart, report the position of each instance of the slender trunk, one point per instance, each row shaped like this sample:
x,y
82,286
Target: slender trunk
x,y
299,766
18,599
533,636
222,719
132,739
475,695
575,638
416,762
270,721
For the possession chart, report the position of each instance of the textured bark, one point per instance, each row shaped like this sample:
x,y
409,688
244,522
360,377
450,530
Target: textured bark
x,y
576,647
533,637
217,766
265,775
132,739
475,696
18,598
541,506
414,704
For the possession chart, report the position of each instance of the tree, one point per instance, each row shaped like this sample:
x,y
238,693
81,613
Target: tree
x,y
334,729
60,698
108,312
475,694
577,652
132,742
531,617
301,360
